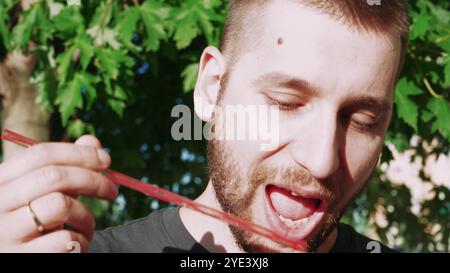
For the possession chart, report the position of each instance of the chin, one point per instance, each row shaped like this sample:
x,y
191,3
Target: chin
x,y
310,230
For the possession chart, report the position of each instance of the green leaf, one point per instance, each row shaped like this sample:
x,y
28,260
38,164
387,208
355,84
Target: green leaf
x,y
186,31
103,13
193,18
407,109
447,72
22,32
205,17
44,26
69,98
117,102
47,86
441,110
87,51
108,63
112,62
123,58
421,24
64,61
77,128
4,31
400,140
118,106
97,207
426,116
153,14
127,25
189,75
68,23
120,93
440,13
87,82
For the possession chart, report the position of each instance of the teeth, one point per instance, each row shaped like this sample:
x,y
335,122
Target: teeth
x,y
293,223
285,220
294,194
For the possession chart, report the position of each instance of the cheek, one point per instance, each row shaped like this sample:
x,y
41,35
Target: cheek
x,y
247,150
247,154
361,157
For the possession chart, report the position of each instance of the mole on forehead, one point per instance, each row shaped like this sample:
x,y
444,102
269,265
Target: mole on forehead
x,y
280,41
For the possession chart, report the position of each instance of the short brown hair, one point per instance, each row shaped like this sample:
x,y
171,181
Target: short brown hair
x,y
390,17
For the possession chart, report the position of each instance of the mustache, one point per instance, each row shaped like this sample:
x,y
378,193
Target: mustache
x,y
291,177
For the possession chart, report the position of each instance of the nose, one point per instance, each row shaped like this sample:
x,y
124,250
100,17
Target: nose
x,y
316,146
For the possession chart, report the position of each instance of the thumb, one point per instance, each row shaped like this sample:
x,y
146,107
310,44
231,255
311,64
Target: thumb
x,y
88,140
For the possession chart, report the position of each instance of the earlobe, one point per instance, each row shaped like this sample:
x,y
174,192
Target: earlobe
x,y
211,71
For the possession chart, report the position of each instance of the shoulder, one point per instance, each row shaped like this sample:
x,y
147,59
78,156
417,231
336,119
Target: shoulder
x,y
141,235
350,241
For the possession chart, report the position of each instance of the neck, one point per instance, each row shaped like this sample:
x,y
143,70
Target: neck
x,y
215,235
212,234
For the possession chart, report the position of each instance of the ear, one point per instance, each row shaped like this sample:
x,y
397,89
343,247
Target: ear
x,y
211,70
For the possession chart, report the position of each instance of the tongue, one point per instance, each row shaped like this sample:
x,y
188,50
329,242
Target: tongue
x,y
289,206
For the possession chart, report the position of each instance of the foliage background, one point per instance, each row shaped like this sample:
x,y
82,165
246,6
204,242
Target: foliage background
x,y
116,68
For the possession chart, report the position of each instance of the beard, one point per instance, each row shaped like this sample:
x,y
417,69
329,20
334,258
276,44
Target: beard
x,y
236,196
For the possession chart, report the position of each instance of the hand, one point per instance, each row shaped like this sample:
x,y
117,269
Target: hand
x,y
49,177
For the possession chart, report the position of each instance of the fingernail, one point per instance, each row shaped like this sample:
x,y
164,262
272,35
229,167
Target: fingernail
x,y
104,157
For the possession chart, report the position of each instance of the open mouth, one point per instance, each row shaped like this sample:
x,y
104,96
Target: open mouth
x,y
293,213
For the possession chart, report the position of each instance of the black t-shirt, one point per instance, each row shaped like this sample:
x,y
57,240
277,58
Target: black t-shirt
x,y
163,232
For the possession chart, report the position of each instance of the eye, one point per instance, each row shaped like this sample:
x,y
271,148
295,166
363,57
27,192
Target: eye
x,y
363,122
283,104
364,126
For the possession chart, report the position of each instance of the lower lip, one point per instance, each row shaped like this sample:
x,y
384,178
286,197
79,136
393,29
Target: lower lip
x,y
302,230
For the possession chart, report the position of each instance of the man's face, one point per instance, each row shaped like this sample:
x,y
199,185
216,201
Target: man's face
x,y
333,85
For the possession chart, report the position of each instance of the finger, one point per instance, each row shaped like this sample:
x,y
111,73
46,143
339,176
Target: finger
x,y
58,241
45,154
88,140
68,180
53,211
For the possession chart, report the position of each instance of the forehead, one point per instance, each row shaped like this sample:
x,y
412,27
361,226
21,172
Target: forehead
x,y
304,43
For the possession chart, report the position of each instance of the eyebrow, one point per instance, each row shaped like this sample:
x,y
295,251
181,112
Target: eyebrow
x,y
277,79
282,80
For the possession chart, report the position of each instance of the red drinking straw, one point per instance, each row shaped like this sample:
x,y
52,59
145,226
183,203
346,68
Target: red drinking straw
x,y
170,197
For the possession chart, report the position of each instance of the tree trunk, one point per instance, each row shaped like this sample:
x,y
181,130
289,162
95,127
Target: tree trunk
x,y
20,112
